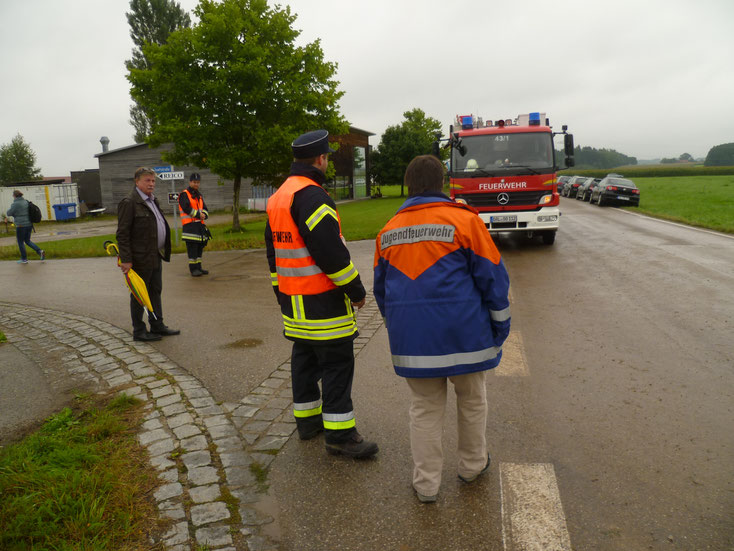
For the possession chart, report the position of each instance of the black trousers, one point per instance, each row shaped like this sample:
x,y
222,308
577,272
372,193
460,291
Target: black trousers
x,y
153,279
194,250
333,364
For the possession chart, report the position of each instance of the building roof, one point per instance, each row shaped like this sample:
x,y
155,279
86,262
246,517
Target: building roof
x,y
44,182
101,153
354,129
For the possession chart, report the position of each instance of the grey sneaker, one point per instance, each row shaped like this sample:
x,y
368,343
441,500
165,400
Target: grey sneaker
x,y
426,499
469,479
43,254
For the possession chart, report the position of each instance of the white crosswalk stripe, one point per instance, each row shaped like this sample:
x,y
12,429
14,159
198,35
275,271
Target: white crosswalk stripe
x,y
513,362
532,513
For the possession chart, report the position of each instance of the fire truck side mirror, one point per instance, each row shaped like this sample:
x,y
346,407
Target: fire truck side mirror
x,y
568,146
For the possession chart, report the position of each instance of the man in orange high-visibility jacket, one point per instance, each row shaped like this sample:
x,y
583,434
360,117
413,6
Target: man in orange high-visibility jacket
x,y
195,234
317,286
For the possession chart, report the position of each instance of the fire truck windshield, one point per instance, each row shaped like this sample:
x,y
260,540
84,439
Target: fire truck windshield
x,y
487,154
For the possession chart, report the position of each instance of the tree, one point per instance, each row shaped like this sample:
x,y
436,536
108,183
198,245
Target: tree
x,y
686,157
589,157
151,21
720,155
17,162
400,144
232,92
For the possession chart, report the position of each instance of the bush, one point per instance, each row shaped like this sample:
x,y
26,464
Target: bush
x,y
654,171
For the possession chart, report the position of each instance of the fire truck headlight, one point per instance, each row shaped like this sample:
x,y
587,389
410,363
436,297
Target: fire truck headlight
x,y
549,218
545,199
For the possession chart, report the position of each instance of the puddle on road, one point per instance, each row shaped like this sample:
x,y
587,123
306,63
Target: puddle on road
x,y
244,343
268,506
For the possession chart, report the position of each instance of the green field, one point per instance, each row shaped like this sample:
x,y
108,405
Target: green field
x,y
703,201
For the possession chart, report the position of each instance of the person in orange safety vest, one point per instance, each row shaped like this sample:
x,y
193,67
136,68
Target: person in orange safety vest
x,y
195,234
318,287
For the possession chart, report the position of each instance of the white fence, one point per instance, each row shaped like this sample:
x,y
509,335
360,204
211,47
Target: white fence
x,y
56,201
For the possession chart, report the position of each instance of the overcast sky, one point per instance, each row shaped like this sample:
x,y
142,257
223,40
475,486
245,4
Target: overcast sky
x,y
650,79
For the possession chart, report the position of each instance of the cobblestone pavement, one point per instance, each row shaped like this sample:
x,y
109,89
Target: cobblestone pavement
x,y
207,454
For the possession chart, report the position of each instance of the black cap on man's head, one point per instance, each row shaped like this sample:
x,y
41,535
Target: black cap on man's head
x,y
311,144
195,176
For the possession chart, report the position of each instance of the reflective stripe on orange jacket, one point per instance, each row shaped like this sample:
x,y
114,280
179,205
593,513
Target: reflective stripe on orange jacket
x,y
297,271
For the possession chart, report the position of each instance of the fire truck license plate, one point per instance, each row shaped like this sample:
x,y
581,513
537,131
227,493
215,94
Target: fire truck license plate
x,y
500,219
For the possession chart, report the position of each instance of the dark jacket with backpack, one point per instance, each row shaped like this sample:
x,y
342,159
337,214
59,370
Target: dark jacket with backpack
x,y
19,211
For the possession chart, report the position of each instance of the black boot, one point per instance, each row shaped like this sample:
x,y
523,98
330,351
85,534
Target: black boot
x,y
145,336
309,427
355,446
163,330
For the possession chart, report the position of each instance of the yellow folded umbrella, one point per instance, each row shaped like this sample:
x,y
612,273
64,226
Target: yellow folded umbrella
x,y
133,280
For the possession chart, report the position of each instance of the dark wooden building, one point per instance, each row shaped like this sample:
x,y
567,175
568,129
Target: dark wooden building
x,y
90,195
117,168
352,164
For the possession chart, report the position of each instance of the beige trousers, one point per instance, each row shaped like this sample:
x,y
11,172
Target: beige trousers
x,y
427,409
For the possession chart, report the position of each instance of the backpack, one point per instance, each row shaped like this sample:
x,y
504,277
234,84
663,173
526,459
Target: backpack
x,y
34,213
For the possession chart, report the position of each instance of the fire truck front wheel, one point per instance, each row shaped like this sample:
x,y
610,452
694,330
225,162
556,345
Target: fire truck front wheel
x,y
549,237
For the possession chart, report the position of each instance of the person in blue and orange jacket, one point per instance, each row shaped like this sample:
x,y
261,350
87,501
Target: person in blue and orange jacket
x,y
317,287
442,289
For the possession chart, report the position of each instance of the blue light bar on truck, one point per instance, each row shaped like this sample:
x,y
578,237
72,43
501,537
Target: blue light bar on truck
x,y
467,122
534,119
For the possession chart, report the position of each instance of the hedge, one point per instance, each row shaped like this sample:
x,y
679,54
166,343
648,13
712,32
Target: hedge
x,y
653,171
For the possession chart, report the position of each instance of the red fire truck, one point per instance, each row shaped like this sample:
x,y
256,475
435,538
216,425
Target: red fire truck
x,y
506,170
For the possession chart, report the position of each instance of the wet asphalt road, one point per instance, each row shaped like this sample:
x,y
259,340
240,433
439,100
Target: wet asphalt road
x,y
627,330
627,326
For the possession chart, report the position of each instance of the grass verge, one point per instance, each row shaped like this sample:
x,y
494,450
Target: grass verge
x,y
81,482
703,201
224,238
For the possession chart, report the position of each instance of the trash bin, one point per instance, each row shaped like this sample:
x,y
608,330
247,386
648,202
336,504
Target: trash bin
x,y
65,211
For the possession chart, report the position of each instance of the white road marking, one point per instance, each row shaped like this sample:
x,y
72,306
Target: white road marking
x,y
513,363
532,513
